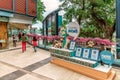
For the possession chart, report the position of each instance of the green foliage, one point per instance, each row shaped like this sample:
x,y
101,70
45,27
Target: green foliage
x,y
64,23
90,31
41,10
41,30
96,17
53,29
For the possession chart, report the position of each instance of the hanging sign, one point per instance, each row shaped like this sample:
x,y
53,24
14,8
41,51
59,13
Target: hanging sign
x,y
73,29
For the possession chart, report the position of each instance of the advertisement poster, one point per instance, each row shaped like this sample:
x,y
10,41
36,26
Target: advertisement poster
x,y
94,54
86,53
78,52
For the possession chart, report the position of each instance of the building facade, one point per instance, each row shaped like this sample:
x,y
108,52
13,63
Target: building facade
x,y
51,25
15,14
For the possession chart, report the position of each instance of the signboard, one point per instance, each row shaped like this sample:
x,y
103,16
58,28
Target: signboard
x,y
4,19
94,54
2,41
107,57
73,29
78,52
86,53
59,21
72,45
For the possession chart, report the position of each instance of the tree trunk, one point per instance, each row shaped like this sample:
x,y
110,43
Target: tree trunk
x,y
79,20
109,31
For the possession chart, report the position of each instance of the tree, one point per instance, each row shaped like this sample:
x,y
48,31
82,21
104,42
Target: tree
x,y
103,13
97,13
41,31
41,10
53,29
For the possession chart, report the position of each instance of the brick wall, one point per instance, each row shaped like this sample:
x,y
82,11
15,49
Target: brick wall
x,y
6,4
20,6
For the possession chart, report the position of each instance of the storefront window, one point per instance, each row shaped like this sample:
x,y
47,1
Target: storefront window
x,y
53,25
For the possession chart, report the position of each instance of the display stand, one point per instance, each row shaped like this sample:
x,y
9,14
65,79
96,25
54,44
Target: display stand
x,y
85,59
98,73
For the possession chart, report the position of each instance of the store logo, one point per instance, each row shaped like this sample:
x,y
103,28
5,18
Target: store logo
x,y
107,57
73,29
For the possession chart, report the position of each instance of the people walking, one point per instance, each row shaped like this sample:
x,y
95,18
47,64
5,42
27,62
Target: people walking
x,y
14,40
24,39
19,36
34,43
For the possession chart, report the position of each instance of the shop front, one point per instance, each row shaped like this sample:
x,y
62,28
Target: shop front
x,y
3,35
51,25
4,19
15,15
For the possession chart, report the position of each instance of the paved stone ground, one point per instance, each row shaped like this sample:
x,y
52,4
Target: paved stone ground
x,y
15,65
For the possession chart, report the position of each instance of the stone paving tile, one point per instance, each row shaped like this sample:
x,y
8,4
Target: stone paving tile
x,y
21,72
117,70
77,76
28,77
38,64
29,62
59,73
4,69
13,75
24,59
12,48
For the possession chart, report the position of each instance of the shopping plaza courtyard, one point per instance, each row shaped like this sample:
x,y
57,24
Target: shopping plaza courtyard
x,y
15,65
75,39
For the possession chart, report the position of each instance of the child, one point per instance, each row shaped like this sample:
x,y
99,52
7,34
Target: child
x,y
34,42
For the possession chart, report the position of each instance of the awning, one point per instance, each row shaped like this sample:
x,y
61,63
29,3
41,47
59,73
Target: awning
x,y
21,19
6,14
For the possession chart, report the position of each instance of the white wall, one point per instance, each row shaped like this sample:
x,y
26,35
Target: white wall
x,y
21,19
